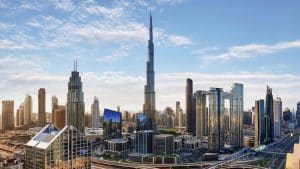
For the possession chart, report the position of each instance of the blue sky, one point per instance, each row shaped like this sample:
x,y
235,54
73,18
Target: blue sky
x,y
216,43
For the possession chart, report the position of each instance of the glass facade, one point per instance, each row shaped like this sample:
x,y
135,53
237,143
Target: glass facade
x,y
144,122
112,124
216,119
144,142
58,149
201,123
260,131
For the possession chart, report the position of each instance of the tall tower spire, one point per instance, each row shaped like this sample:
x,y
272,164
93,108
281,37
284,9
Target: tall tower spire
x,y
149,93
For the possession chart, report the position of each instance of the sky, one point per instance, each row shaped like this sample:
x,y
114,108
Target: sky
x,y
216,43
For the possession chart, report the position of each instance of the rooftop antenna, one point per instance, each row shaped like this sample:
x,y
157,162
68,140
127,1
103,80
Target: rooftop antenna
x,y
74,65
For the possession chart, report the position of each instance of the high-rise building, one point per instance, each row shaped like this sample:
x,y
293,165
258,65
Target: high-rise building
x,y
236,115
55,148
149,93
27,110
277,116
59,118
189,108
260,128
42,107
125,116
216,119
247,118
177,114
181,118
95,113
54,106
269,116
163,144
21,115
75,101
201,124
8,121
298,114
112,124
144,142
17,118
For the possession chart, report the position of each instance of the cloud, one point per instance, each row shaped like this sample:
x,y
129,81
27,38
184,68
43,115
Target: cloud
x,y
117,54
65,5
169,2
11,45
251,50
108,12
179,40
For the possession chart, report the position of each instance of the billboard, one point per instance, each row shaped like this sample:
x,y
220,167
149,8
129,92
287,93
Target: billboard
x,y
112,124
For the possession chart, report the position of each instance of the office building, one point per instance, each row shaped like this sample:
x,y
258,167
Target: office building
x,y
201,124
8,121
177,116
17,118
54,148
298,115
75,101
143,122
236,115
125,116
59,118
277,116
190,108
21,115
260,128
163,144
269,116
144,142
247,118
54,106
95,113
112,124
216,119
149,91
27,110
181,118
42,107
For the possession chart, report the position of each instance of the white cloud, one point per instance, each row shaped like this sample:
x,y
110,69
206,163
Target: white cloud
x,y
65,5
179,40
252,50
169,2
108,12
11,45
117,54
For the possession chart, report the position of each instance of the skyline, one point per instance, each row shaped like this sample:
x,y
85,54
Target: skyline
x,y
105,57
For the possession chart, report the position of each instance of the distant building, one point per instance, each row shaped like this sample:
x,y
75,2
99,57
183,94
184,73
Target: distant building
x,y
298,114
201,123
75,101
54,106
177,114
27,110
54,148
260,128
112,124
190,113
293,159
287,115
125,116
277,107
247,118
20,120
143,122
216,117
42,107
269,116
95,113
59,120
163,144
181,118
8,121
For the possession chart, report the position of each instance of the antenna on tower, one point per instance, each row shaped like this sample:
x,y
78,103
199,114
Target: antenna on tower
x,y
74,65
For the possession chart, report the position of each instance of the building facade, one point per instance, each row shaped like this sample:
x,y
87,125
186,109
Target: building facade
x,y
8,120
54,106
144,142
27,110
277,116
177,116
59,118
163,144
149,90
190,121
75,101
298,114
201,123
260,128
269,116
216,119
42,107
95,113
54,148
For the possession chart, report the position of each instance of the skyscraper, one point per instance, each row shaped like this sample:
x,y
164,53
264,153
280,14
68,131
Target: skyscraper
x,y
149,93
260,128
177,114
8,115
59,118
54,106
236,115
269,116
298,114
21,115
95,113
27,110
181,118
42,107
190,113
75,101
277,116
216,119
201,124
